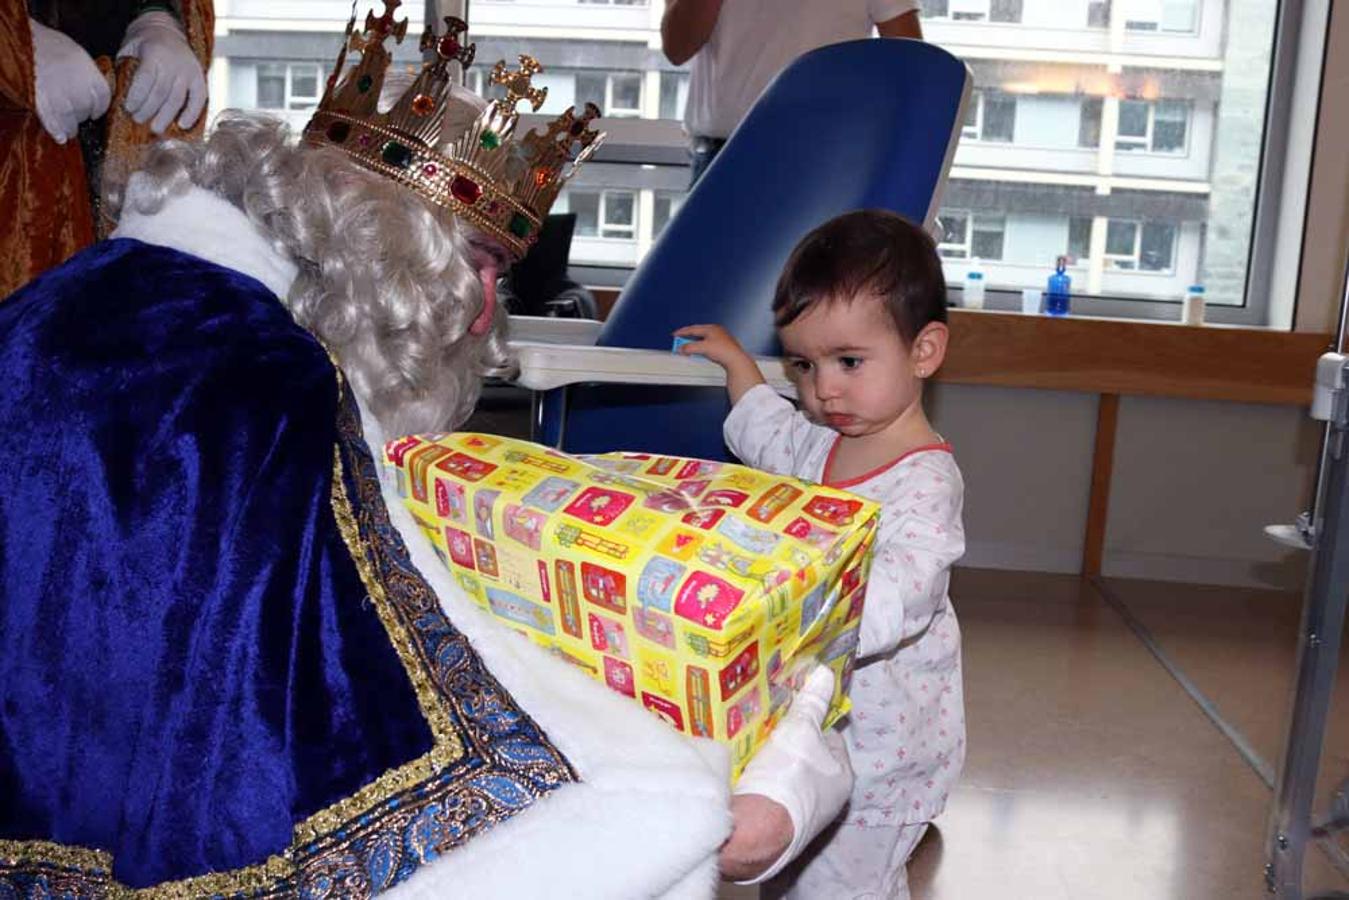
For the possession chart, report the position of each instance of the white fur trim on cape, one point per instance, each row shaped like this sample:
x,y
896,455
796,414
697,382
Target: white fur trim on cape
x,y
206,226
652,806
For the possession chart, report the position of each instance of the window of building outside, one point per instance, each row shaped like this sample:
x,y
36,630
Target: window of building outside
x,y
1174,16
603,214
974,10
288,86
618,94
666,205
1125,135
965,235
990,117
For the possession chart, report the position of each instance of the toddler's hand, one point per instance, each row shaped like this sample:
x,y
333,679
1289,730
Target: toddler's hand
x,y
715,343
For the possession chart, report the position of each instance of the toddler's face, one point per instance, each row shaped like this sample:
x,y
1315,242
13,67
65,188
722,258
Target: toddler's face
x,y
853,373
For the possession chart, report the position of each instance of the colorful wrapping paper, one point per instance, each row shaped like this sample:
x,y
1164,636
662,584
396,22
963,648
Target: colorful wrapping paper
x,y
706,591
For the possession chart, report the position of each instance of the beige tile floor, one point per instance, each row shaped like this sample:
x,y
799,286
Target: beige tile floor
x,y
1091,773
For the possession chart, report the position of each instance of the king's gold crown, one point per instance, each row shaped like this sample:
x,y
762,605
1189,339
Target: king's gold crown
x,y
502,185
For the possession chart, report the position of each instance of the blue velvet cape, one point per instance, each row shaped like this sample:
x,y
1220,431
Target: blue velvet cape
x,y
217,662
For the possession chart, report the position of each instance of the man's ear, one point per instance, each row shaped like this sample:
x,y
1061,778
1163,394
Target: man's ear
x,y
929,349
483,323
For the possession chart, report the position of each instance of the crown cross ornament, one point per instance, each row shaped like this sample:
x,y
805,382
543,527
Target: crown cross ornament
x,y
502,185
449,46
517,83
385,24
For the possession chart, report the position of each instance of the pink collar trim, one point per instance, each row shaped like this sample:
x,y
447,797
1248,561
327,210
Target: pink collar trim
x,y
943,447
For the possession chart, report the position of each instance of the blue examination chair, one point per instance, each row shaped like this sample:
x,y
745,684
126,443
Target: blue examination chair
x,y
870,123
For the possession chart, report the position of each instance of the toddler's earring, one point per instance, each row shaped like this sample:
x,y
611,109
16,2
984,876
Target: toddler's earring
x,y
921,373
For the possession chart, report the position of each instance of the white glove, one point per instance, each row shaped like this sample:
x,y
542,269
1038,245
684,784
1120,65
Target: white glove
x,y
804,769
69,88
169,79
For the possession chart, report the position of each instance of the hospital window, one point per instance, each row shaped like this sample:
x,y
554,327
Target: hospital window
x,y
1140,246
1158,127
288,85
618,94
605,214
1034,176
973,10
969,236
990,117
1172,16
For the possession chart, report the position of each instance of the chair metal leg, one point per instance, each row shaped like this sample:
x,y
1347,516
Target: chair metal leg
x,y
543,407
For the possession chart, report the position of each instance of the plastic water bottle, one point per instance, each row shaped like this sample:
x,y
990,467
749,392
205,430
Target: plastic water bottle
x,y
1192,307
1060,289
974,290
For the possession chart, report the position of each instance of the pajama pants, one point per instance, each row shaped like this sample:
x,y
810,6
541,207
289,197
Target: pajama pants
x,y
850,862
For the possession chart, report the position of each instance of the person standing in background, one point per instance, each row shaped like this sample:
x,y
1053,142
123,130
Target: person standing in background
x,y
86,84
739,46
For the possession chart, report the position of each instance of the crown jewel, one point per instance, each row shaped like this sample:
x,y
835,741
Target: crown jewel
x,y
501,184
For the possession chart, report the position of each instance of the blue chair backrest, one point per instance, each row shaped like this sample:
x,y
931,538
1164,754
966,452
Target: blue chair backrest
x,y
863,124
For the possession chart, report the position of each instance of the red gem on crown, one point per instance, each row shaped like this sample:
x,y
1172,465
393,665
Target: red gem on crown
x,y
465,190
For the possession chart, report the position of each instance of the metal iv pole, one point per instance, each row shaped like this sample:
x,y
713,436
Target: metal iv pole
x,y
1324,530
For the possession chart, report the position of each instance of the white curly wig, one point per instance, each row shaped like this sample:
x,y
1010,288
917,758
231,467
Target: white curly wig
x,y
387,281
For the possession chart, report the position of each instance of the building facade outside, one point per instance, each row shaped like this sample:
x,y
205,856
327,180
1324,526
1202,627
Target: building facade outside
x,y
1123,134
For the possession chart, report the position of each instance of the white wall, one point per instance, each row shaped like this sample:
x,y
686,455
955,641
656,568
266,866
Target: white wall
x,y
1047,121
1026,458
561,91
1195,482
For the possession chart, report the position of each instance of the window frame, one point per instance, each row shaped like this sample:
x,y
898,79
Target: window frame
x,y
288,97
1196,25
659,142
978,104
1136,257
1147,142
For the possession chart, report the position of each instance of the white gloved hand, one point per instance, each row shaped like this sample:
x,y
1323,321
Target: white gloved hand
x,y
68,87
169,79
805,770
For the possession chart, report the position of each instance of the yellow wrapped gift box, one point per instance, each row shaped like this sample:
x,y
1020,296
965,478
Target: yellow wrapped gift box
x,y
705,590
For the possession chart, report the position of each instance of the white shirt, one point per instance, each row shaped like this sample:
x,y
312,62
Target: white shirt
x,y
906,733
754,40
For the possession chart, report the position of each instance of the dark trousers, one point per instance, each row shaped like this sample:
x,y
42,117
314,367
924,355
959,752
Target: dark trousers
x,y
702,151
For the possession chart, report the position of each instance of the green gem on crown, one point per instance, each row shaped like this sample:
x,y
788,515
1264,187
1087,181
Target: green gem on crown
x,y
364,82
396,154
519,226
490,140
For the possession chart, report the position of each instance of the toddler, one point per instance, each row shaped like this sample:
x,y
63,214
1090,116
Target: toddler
x,y
860,310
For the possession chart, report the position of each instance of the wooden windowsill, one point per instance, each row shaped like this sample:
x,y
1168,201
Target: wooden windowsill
x,y
1115,356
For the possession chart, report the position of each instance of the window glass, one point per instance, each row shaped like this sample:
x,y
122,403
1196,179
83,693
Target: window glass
x,y
999,117
271,79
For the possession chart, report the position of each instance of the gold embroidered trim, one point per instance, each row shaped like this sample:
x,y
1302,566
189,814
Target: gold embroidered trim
x,y
50,853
